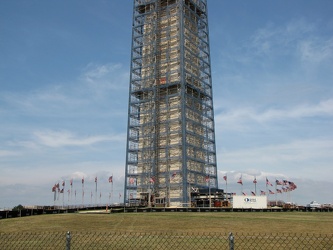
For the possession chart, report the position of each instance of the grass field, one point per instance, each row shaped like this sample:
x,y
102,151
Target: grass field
x,y
176,222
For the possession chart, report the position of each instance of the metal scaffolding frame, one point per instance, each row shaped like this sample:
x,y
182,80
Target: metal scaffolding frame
x,y
171,134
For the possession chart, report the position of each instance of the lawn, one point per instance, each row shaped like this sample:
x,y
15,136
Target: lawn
x,y
176,222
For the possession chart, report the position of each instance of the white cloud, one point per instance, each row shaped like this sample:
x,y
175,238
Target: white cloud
x,y
66,138
98,86
274,38
297,158
4,153
249,174
95,71
103,78
316,50
244,115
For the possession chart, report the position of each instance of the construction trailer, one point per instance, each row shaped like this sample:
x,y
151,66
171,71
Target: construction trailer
x,y
203,197
244,201
209,197
171,134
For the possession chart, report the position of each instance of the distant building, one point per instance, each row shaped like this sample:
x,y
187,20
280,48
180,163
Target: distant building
x,y
171,134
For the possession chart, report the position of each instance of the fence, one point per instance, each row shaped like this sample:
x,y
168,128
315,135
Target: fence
x,y
111,240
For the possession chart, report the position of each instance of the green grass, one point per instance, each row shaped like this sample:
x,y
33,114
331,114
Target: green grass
x,y
187,222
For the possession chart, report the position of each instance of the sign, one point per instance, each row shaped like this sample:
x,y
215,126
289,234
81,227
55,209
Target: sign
x,y
242,201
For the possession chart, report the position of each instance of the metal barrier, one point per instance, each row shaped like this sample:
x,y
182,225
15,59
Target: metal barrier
x,y
163,240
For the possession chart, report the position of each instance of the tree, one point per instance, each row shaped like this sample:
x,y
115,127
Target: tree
x,y
18,208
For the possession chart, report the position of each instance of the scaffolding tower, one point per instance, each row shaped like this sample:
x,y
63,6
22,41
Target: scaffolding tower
x,y
171,134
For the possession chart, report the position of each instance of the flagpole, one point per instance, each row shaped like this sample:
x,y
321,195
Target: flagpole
x,y
275,193
242,184
95,191
240,181
225,178
82,191
189,188
63,193
226,187
55,196
267,189
111,187
71,190
210,198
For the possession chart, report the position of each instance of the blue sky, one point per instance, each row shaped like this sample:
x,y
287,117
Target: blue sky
x,y
64,76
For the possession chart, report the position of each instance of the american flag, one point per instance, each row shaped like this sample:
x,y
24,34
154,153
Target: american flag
x,y
268,183
278,182
240,181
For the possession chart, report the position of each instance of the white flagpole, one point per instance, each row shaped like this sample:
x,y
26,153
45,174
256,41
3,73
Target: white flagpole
x,y
82,191
96,191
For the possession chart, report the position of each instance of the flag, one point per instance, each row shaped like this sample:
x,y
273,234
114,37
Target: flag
x,y
173,175
279,191
253,193
268,183
292,185
207,178
131,180
240,181
71,182
54,188
262,192
96,179
285,182
271,192
63,183
82,180
110,179
62,191
152,179
255,180
225,178
278,182
244,193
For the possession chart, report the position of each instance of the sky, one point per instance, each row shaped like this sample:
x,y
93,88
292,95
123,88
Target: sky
x,y
64,80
